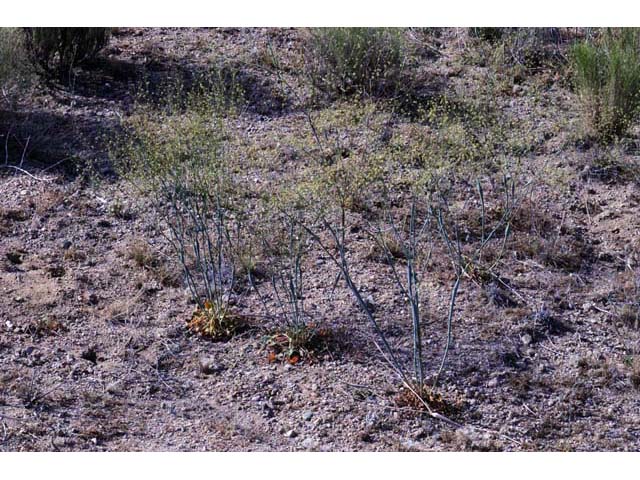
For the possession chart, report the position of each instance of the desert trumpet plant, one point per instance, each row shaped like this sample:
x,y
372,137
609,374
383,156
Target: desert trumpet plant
x,y
179,162
286,273
410,240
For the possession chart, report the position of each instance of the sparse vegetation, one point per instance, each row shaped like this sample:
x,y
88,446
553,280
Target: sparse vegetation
x,y
396,239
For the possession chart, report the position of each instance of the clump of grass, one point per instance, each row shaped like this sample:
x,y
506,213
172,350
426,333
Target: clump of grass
x,y
215,321
46,326
424,397
121,211
142,255
294,344
355,60
607,79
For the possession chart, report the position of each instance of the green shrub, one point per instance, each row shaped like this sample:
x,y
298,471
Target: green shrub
x,y
57,50
355,60
607,79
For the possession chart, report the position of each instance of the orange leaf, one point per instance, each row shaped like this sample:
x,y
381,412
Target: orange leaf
x,y
294,359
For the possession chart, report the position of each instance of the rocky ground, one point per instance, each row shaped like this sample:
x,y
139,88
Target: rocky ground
x,y
94,353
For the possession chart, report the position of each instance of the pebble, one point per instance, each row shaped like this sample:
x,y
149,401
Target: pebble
x,y
411,445
209,366
419,433
267,409
306,416
59,442
291,434
526,339
309,444
114,387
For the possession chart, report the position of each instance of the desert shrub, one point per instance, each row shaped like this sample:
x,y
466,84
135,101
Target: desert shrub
x,y
57,50
17,132
14,65
607,79
355,60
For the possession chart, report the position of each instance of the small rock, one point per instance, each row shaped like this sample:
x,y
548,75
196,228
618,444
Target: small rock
x,y
420,433
411,445
370,303
290,434
492,383
267,409
209,366
306,416
526,339
59,442
66,245
151,287
309,444
113,387
27,351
